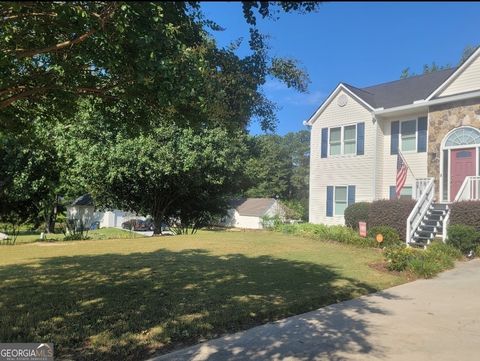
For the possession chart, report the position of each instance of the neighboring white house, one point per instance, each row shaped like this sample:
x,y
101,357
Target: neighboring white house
x,y
356,134
83,209
250,212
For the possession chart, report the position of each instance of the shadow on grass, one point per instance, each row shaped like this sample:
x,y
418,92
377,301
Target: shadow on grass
x,y
111,306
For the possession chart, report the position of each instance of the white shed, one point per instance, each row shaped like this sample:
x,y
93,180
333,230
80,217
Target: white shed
x,y
83,209
248,212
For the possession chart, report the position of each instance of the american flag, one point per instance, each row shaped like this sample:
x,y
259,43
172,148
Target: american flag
x,y
401,173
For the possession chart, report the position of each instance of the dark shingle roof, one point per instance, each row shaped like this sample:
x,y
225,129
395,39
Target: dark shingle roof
x,y
403,91
256,207
85,200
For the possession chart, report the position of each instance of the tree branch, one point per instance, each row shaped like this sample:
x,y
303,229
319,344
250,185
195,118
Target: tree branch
x,y
19,16
22,95
103,18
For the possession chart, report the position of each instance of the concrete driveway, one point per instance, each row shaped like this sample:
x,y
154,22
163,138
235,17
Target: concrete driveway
x,y
437,319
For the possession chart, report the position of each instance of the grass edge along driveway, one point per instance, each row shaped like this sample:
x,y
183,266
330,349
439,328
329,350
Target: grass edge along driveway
x,y
128,299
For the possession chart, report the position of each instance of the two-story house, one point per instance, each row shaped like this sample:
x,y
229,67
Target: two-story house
x,y
432,119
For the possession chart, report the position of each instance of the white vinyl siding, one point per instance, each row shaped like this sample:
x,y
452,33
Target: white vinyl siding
x,y
468,80
416,161
342,169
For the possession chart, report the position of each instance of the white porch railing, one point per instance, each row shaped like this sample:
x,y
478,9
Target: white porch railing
x,y
425,191
470,190
446,222
420,185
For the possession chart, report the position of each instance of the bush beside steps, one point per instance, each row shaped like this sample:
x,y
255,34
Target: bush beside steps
x,y
427,263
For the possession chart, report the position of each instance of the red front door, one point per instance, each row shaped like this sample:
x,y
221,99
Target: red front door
x,y
463,164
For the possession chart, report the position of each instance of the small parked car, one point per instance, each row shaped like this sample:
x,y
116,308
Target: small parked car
x,y
138,225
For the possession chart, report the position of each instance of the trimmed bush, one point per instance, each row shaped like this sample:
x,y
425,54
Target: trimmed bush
x,y
392,213
440,249
437,258
463,237
466,213
422,263
356,212
399,257
75,237
424,266
323,232
390,235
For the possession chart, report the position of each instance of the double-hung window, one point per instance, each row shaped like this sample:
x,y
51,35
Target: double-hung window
x,y
343,140
408,133
341,200
350,139
336,141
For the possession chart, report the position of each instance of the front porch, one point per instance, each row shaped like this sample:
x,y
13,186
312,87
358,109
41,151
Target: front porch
x,y
430,219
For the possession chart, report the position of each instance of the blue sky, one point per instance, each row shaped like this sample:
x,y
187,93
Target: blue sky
x,y
359,43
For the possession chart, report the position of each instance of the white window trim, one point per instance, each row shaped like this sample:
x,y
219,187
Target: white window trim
x,y
416,136
342,141
335,199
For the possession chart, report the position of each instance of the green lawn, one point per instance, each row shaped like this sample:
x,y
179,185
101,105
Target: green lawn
x,y
103,233
129,298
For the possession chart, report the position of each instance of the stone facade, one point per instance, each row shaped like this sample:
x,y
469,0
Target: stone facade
x,y
442,119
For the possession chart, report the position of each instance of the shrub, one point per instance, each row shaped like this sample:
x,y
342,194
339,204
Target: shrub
x,y
393,213
423,263
327,233
356,212
424,266
463,237
390,235
399,257
466,213
75,237
449,250
270,223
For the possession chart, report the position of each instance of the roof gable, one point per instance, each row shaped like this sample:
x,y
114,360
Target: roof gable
x,y
409,91
465,79
255,207
340,87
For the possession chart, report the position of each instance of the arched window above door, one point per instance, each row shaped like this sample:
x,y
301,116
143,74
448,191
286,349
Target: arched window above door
x,y
463,136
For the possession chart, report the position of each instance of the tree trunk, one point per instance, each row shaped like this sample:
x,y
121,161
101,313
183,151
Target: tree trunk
x,y
157,223
50,216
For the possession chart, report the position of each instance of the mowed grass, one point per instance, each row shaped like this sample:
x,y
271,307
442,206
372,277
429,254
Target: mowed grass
x,y
103,233
131,298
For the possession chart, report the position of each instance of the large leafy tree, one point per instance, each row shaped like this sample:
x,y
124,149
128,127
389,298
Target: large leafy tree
x,y
30,173
149,74
147,56
169,172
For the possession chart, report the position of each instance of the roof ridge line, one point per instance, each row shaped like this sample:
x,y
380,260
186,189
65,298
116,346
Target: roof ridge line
x,y
363,90
410,77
